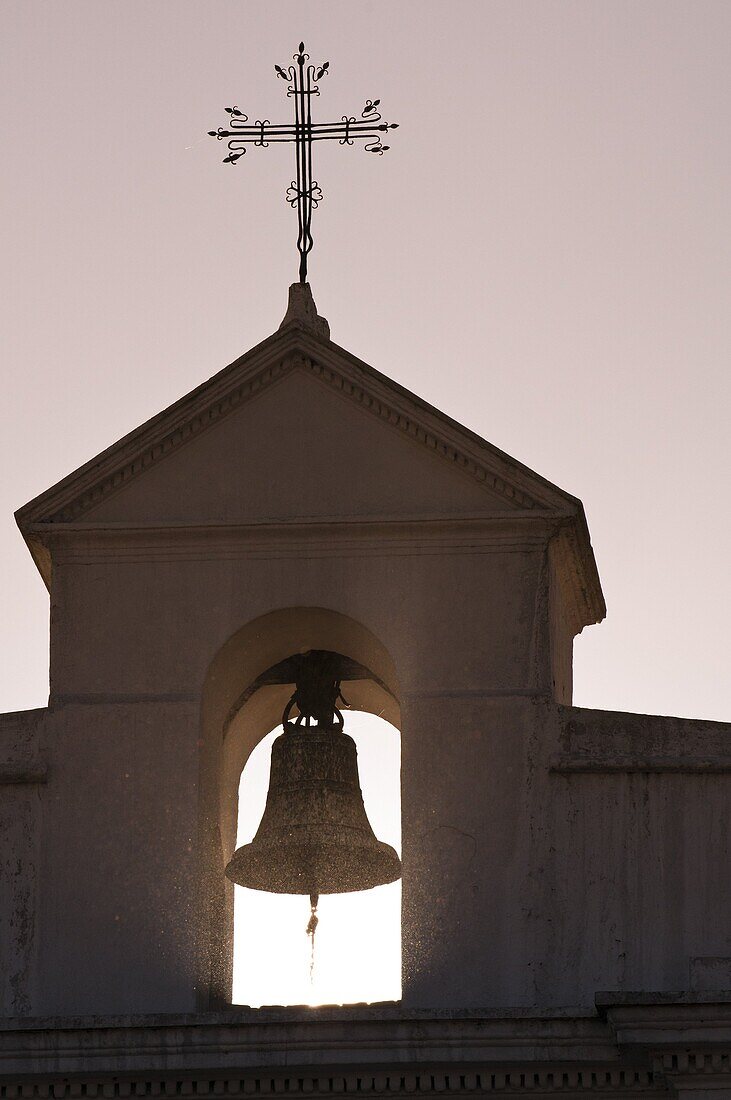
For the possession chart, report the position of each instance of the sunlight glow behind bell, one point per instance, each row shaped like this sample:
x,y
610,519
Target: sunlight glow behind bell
x,y
358,941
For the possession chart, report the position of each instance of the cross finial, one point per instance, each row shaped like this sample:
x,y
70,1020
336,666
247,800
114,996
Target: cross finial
x,y
304,194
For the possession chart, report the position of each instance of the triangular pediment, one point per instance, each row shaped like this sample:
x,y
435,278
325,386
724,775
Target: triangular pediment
x,y
296,429
296,451
252,407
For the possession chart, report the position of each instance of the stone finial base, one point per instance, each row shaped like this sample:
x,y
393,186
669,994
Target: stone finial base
x,y
302,312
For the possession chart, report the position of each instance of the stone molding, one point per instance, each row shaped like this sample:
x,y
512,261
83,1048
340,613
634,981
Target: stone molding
x,y
599,742
610,1081
628,1049
694,1063
669,765
690,1020
379,536
247,1041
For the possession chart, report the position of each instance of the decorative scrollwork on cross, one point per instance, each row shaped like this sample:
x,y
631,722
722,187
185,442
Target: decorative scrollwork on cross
x,y
304,193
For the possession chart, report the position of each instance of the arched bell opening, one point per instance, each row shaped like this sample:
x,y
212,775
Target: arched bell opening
x,y
354,955
245,693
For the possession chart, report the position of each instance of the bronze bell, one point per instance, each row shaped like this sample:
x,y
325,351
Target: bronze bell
x,y
314,836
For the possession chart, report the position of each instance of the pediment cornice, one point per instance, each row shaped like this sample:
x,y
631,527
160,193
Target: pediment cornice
x,y
294,348
200,410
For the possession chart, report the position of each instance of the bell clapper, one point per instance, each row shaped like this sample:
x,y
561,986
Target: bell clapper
x,y
311,929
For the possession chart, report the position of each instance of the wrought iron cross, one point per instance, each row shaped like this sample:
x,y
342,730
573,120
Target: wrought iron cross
x,y
304,192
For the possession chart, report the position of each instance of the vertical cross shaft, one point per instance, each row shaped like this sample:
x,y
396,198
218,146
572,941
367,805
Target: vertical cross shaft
x,y
303,125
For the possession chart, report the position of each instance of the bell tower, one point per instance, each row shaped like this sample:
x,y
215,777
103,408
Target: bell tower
x,y
206,549
209,575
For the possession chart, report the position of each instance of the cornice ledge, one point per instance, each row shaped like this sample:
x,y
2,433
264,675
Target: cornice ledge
x,y
656,1020
613,764
623,736
693,1064
398,1080
202,409
326,1052
489,527
577,574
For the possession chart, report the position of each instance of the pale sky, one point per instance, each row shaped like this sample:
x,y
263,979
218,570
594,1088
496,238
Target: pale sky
x,y
544,253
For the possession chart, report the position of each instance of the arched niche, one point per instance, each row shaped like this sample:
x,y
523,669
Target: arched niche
x,y
237,713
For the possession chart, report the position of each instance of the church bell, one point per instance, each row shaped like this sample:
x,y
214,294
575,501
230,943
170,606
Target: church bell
x,y
314,836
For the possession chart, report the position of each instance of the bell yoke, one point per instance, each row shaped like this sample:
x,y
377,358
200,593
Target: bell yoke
x,y
314,836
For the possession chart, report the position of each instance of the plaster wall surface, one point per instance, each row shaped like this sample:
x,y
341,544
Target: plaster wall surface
x,y
451,619
543,884
22,778
117,908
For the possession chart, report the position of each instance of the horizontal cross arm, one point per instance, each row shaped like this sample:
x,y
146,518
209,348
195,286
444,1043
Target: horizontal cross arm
x,y
264,131
350,126
259,135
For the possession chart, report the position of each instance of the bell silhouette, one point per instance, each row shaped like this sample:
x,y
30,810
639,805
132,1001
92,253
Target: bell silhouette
x,y
314,836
